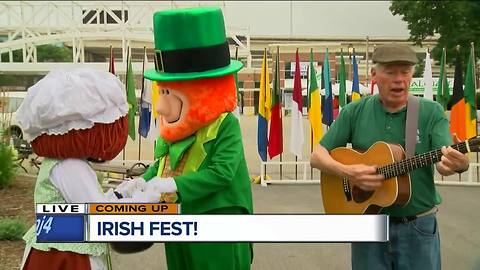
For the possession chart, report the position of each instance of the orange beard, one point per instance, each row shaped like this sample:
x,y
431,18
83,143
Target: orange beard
x,y
206,98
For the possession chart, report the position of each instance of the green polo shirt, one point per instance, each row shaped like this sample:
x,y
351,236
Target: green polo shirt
x,y
364,122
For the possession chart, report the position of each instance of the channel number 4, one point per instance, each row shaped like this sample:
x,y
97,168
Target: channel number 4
x,y
44,224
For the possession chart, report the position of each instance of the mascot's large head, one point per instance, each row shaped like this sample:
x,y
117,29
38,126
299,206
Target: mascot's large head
x,y
193,70
76,113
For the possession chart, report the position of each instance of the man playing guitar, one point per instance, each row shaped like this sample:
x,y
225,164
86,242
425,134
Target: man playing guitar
x,y
414,239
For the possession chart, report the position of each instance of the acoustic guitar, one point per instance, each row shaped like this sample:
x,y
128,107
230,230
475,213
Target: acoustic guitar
x,y
340,197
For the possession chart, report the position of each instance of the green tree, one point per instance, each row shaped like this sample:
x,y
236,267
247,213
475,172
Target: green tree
x,y
455,22
45,53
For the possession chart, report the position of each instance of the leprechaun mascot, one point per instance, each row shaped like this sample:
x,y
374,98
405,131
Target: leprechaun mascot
x,y
199,156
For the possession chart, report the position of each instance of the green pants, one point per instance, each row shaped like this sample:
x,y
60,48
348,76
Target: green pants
x,y
210,256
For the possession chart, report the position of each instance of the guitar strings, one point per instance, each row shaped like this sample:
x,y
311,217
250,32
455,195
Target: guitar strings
x,y
402,167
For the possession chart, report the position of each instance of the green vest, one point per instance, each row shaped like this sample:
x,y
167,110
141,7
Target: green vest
x,y
215,174
46,192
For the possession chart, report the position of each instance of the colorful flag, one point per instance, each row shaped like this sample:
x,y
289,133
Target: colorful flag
x,y
263,109
327,105
443,90
470,97
314,106
427,77
131,99
296,131
236,112
457,113
111,64
154,127
373,87
275,137
355,85
342,78
145,102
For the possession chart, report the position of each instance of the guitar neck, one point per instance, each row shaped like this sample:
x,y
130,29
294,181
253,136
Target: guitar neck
x,y
409,164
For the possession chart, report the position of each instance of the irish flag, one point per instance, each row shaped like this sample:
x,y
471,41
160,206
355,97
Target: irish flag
x,y
457,113
470,104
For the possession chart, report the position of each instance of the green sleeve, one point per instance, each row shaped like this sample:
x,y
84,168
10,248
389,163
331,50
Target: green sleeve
x,y
151,171
440,128
339,133
222,164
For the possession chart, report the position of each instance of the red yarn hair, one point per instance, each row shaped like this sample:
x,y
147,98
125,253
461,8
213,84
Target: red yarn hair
x,y
102,141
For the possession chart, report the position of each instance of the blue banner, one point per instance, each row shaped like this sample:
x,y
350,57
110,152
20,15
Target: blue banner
x,y
60,228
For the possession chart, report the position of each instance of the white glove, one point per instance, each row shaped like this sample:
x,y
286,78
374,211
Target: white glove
x,y
146,196
128,187
161,185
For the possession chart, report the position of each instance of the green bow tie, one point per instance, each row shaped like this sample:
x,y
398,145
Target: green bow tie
x,y
174,150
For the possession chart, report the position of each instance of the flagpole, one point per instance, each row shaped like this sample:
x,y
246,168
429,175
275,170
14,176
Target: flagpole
x,y
126,87
296,158
474,75
266,147
458,59
277,72
141,100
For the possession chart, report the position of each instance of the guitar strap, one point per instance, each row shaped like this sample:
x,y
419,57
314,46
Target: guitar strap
x,y
411,125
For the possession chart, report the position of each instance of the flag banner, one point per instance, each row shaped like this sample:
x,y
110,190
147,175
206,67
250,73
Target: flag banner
x,y
264,110
275,136
131,99
342,78
145,102
457,103
145,118
111,64
356,84
296,129
160,222
373,87
470,97
154,130
443,90
236,112
427,77
314,106
327,105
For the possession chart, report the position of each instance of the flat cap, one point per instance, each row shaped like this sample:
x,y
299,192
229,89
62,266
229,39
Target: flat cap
x,y
394,53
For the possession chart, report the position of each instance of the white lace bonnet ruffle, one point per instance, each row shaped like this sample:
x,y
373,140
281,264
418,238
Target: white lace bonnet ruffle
x,y
69,99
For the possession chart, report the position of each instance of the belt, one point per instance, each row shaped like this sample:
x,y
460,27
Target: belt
x,y
407,219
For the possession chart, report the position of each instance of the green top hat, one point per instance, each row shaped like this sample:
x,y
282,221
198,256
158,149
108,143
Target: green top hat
x,y
190,44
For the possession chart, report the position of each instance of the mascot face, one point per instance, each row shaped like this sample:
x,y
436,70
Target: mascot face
x,y
186,106
171,106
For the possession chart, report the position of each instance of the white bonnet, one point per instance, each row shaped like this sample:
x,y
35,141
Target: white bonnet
x,y
69,99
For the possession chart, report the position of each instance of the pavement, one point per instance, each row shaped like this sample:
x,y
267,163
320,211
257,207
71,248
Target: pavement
x,y
458,216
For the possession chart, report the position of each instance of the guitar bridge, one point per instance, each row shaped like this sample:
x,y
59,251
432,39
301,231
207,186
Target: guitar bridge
x,y
346,190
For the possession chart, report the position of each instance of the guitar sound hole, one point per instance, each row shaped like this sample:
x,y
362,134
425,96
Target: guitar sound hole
x,y
359,195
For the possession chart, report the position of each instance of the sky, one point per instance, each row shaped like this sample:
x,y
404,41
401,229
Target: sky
x,y
313,19
354,19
